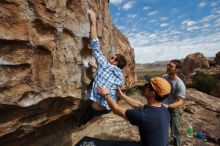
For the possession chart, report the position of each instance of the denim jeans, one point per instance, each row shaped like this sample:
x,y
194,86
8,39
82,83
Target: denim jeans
x,y
175,126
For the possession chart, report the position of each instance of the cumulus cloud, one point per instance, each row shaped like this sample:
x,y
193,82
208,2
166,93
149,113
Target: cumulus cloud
x,y
213,4
217,23
180,17
116,2
128,5
152,13
131,15
174,32
163,18
192,28
166,45
146,8
202,4
164,24
188,23
218,12
152,21
118,14
121,28
209,18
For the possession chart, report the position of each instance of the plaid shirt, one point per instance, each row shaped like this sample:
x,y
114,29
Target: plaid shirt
x,y
108,76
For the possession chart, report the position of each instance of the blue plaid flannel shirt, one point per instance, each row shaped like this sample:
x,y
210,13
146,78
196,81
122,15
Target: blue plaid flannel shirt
x,y
108,76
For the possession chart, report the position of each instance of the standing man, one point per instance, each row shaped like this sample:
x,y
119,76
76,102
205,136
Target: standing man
x,y
109,74
175,99
152,118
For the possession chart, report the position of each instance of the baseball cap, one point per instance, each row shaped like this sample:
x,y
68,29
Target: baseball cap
x,y
161,86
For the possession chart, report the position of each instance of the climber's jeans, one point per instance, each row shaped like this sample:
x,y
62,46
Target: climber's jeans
x,y
90,113
175,116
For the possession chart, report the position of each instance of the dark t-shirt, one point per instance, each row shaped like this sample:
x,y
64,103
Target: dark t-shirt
x,y
153,123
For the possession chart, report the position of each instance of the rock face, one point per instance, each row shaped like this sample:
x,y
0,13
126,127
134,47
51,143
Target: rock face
x,y
43,45
195,65
217,58
215,72
202,110
193,62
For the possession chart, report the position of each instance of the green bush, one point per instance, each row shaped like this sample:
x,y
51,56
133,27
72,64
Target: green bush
x,y
204,83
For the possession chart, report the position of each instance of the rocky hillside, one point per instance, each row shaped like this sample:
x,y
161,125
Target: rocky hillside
x,y
43,47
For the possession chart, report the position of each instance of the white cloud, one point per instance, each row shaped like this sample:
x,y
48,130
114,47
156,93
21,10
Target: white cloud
x,y
188,23
152,21
164,24
203,24
128,5
218,12
164,45
179,17
217,23
152,13
206,25
163,18
213,4
192,28
209,18
174,32
146,8
131,15
120,27
202,4
116,2
117,14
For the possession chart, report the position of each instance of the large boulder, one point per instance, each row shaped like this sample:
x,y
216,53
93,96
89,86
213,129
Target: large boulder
x,y
43,45
194,62
202,110
195,66
191,65
216,90
217,58
213,71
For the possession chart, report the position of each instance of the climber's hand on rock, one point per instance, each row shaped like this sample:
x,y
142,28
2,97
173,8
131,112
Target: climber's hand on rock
x,y
93,64
92,16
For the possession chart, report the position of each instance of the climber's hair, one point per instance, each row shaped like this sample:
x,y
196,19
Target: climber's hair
x,y
122,62
178,64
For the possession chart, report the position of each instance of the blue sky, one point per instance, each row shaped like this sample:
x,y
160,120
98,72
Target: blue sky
x,y
168,29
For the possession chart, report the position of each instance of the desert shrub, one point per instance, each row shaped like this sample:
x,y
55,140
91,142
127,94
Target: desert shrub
x,y
204,83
